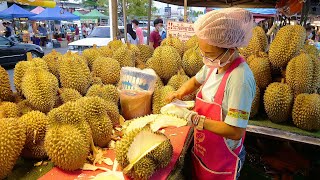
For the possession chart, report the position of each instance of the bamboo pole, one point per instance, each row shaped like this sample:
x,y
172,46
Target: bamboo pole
x,y
149,19
185,10
124,12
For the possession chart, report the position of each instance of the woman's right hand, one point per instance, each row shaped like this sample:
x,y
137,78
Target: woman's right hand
x,y
172,96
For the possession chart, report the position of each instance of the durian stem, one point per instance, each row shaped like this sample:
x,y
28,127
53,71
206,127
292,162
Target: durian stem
x,y
93,148
29,56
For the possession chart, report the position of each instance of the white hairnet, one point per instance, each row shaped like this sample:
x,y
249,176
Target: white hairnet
x,y
225,28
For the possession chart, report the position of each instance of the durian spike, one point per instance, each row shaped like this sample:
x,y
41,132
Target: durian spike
x,y
170,40
282,80
114,38
29,56
94,46
69,53
54,51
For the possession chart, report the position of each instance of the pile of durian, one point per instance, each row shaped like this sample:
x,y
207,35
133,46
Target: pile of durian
x,y
66,106
287,74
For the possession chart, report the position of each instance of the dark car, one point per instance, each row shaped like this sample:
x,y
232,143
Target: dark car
x,y
12,52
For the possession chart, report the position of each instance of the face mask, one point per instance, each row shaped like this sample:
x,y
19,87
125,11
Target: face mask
x,y
215,63
160,29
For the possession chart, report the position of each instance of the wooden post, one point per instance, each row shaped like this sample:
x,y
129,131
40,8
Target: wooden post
x,y
124,9
113,11
185,10
149,19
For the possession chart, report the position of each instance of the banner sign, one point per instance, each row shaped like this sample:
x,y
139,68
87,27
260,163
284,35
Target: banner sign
x,y
181,30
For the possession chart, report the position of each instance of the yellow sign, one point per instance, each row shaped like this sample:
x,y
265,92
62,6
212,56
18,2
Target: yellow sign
x,y
43,3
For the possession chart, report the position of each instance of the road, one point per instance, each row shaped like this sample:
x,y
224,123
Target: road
x,y
46,51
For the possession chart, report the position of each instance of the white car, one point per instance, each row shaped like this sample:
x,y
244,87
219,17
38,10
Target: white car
x,y
100,36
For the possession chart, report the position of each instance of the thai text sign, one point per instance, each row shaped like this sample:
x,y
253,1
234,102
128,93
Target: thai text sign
x,y
181,30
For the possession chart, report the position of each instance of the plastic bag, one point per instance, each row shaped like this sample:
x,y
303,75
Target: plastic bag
x,y
135,89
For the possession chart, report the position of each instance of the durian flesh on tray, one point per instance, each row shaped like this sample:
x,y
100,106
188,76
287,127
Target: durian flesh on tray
x,y
156,121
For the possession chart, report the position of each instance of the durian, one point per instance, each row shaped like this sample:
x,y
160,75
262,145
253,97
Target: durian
x,y
258,42
192,42
278,100
107,92
306,111
312,50
115,44
74,73
261,70
192,61
91,55
66,146
165,62
125,56
9,110
34,151
52,62
145,52
174,42
107,69
68,94
159,96
155,152
300,74
13,136
281,50
96,115
40,89
106,51
5,89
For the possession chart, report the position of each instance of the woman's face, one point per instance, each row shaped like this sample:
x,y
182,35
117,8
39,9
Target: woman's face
x,y
212,52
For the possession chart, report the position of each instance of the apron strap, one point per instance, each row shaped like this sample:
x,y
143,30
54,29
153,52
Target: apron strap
x,y
218,98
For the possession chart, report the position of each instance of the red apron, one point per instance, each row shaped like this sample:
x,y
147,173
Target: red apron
x,y
212,159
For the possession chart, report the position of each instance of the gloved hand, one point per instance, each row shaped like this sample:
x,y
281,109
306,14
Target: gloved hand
x,y
180,112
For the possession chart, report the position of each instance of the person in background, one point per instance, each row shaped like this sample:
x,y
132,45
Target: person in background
x,y
72,28
7,32
88,29
155,38
77,33
223,103
131,35
84,30
43,31
63,31
139,32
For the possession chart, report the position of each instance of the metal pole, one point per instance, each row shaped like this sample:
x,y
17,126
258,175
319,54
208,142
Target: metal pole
x,y
185,10
113,8
124,12
149,19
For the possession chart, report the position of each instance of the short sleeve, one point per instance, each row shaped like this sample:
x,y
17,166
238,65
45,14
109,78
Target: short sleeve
x,y
240,97
202,74
152,37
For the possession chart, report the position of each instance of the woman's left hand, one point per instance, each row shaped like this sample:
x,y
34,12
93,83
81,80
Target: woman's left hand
x,y
180,112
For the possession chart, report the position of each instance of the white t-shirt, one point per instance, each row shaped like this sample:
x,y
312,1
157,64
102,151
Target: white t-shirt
x,y
131,40
238,95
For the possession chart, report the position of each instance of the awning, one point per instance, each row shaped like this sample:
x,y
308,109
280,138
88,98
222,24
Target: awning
x,y
15,11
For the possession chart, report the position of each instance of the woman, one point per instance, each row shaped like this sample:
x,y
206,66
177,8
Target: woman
x,y
223,104
131,35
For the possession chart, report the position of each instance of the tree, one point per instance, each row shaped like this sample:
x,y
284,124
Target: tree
x,y
135,8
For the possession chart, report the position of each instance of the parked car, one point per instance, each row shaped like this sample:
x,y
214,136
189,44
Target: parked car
x,y
100,36
12,52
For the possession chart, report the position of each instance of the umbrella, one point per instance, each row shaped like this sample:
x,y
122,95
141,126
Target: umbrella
x,y
37,10
15,11
55,14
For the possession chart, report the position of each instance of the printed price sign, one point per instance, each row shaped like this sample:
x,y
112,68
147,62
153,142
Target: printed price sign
x,y
181,30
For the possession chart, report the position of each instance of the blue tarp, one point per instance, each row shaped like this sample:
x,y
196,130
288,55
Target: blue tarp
x,y
15,11
265,11
55,14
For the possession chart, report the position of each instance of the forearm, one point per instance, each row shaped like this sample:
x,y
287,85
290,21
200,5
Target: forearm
x,y
188,87
222,129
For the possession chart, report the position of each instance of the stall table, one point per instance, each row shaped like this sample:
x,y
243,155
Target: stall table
x,y
284,131
180,138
